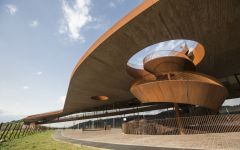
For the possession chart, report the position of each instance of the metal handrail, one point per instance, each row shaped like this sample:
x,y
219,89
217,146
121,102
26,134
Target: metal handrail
x,y
161,53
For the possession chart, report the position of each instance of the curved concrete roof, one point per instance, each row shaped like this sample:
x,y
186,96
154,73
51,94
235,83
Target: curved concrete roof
x,y
101,71
43,117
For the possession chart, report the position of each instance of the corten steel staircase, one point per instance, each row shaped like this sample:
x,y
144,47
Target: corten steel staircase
x,y
170,76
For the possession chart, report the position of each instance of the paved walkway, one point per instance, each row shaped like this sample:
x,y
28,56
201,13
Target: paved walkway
x,y
115,139
58,136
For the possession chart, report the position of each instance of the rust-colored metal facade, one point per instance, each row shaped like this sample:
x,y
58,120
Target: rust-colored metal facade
x,y
173,79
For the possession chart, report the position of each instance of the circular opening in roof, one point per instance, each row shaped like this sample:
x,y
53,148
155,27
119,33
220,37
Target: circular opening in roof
x,y
100,98
163,49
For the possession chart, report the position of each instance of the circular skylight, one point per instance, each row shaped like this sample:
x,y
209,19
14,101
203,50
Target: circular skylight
x,y
136,61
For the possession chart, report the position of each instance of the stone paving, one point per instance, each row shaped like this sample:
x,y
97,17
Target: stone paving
x,y
224,141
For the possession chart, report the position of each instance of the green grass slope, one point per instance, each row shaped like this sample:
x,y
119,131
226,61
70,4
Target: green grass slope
x,y
39,141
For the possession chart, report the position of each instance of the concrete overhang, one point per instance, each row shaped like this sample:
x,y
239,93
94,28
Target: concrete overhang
x,y
101,71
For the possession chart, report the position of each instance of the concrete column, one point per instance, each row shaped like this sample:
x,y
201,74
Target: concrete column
x,y
178,119
92,124
33,125
113,121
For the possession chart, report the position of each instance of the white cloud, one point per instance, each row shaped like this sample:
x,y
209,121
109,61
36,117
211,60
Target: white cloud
x,y
121,1
1,111
12,9
75,18
25,87
100,23
112,5
39,73
61,100
6,116
34,23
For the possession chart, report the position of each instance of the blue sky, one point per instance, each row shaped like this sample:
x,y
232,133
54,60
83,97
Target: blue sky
x,y
41,42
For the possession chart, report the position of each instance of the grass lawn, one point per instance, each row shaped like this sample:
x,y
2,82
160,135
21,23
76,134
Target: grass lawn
x,y
40,141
